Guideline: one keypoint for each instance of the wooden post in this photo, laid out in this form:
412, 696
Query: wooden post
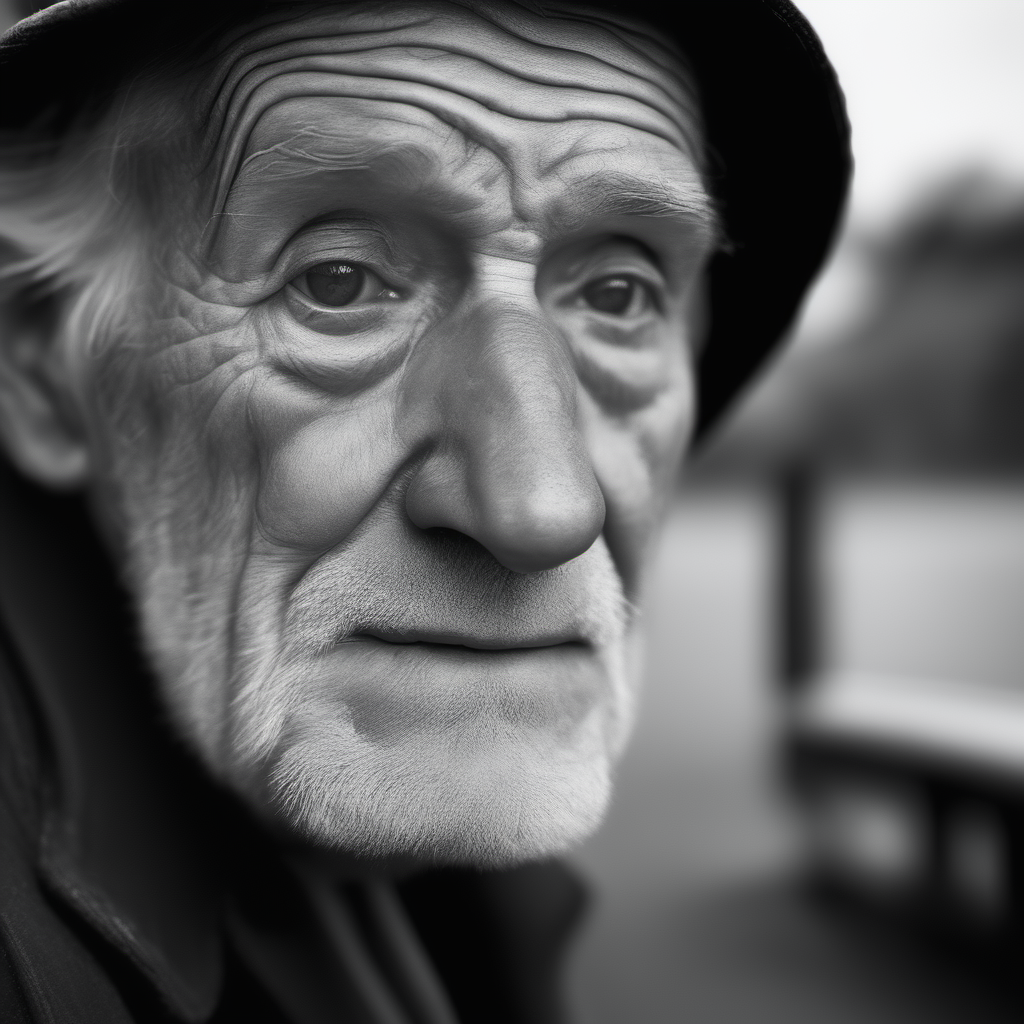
798, 600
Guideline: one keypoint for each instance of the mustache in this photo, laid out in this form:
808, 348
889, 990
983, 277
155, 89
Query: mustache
441, 585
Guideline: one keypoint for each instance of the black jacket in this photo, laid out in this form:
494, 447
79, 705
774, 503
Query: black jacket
132, 889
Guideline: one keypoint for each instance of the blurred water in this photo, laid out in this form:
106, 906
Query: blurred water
927, 579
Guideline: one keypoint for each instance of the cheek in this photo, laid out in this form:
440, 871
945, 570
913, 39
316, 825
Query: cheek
234, 439
636, 460
322, 471
176, 435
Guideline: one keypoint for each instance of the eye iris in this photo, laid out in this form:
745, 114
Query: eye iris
610, 295
335, 284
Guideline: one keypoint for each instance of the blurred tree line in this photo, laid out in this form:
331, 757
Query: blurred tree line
928, 377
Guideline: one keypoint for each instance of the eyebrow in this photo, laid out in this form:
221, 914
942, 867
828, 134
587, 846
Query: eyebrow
299, 155
302, 156
613, 194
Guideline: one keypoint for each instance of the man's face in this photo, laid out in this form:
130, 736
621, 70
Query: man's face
409, 397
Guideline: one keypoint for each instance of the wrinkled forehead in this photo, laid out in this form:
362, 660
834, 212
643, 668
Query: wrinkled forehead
477, 67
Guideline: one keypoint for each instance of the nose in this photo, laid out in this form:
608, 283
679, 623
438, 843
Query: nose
493, 396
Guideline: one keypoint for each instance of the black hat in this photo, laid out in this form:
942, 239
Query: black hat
776, 129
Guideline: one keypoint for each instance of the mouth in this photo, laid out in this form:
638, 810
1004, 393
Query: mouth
454, 641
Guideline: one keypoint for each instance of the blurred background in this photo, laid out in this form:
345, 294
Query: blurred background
821, 820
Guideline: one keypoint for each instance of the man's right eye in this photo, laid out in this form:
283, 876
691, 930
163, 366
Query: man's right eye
338, 284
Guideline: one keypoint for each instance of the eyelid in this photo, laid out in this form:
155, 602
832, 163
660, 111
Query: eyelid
352, 240
649, 281
606, 258
568, 289
339, 321
633, 265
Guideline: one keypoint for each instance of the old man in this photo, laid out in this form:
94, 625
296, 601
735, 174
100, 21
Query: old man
357, 346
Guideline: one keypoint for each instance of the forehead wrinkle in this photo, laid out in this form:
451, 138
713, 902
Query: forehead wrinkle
262, 47
418, 162
483, 91
465, 113
357, 156
366, 62
563, 22
672, 63
668, 59
247, 53
433, 30
380, 156
244, 62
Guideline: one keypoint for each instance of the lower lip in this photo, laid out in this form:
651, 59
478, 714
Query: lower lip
391, 688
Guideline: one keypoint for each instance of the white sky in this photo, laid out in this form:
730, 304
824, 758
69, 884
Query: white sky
932, 87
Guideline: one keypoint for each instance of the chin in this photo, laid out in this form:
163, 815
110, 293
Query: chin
488, 797
446, 763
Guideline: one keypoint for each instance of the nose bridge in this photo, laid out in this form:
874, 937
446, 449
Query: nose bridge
520, 383
508, 463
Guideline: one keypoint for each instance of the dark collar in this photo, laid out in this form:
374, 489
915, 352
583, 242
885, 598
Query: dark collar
128, 841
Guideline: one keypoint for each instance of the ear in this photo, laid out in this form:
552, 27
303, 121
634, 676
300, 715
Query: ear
39, 426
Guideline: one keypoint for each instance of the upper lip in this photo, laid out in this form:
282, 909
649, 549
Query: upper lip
454, 639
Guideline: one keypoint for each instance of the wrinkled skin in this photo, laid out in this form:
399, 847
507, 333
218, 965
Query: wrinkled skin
414, 387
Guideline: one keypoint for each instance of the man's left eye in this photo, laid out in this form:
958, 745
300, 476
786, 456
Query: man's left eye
619, 295
338, 284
